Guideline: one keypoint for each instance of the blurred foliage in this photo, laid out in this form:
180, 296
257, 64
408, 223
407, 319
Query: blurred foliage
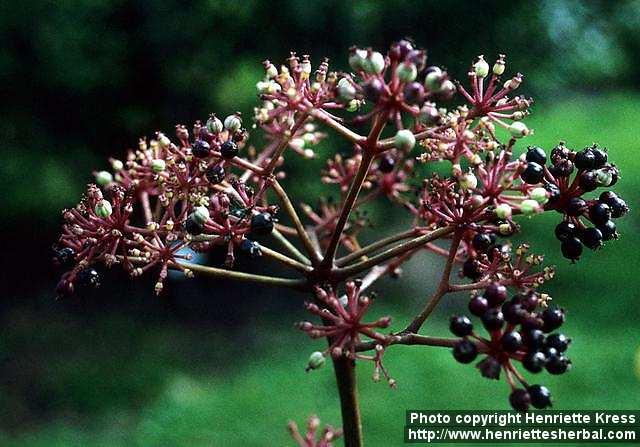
83, 80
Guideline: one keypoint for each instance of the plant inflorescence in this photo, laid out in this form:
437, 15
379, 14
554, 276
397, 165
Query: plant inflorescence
212, 187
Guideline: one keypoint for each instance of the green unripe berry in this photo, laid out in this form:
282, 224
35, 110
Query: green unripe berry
233, 123
214, 125
103, 209
374, 63
201, 214
529, 207
316, 360
404, 140
518, 129
357, 58
117, 165
603, 177
103, 178
498, 68
158, 165
503, 211
481, 68
468, 181
407, 72
539, 195
346, 90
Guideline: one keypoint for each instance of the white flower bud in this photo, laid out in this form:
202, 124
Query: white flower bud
271, 71
346, 90
518, 129
117, 165
468, 181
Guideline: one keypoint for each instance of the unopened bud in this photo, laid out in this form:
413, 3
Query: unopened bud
103, 209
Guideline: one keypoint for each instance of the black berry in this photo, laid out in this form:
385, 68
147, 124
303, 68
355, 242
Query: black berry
520, 399
64, 257
571, 248
511, 341
553, 318
576, 206
482, 241
559, 342
460, 325
200, 149
558, 364
373, 89
534, 361
532, 174
495, 293
262, 224
600, 213
493, 319
250, 247
534, 339
490, 368
465, 351
608, 230
600, 157
537, 155
565, 230
540, 396
88, 278
591, 237
618, 207
193, 227
585, 159
386, 164
215, 174
470, 269
228, 150
588, 180
513, 312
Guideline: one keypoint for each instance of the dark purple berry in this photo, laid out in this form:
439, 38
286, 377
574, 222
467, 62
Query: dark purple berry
215, 174
530, 300
511, 341
591, 237
88, 278
229, 149
600, 213
478, 305
192, 226
608, 230
534, 339
553, 318
599, 156
560, 152
618, 207
200, 149
64, 257
559, 342
465, 351
585, 159
262, 224
561, 168
540, 396
470, 269
554, 193
493, 319
490, 368
373, 89
460, 325
513, 312
386, 163
534, 361
588, 180
537, 155
576, 206
558, 364
607, 195
250, 247
571, 248
532, 174
413, 93
495, 293
482, 241
565, 230
520, 399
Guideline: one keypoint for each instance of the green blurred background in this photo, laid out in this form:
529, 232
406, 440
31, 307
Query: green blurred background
215, 363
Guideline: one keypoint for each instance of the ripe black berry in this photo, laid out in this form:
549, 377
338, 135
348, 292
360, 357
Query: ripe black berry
478, 305
64, 257
540, 396
88, 278
605, 196
558, 364
470, 269
228, 150
585, 159
534, 361
373, 89
200, 148
482, 241
600, 213
386, 164
511, 341
559, 342
413, 93
493, 319
560, 152
554, 193
591, 237
520, 399
608, 230
533, 339
215, 174
571, 248
495, 293
460, 325
565, 230
576, 206
588, 180
532, 174
262, 224
553, 318
600, 157
465, 351
513, 312
537, 155
193, 227
490, 368
561, 168
250, 247
618, 207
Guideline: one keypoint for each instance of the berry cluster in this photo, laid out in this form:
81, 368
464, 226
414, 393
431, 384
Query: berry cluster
560, 193
519, 331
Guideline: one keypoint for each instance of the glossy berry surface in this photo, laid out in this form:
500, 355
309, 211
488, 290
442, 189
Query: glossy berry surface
386, 163
559, 342
493, 319
520, 399
478, 305
193, 227
215, 174
536, 154
591, 237
460, 325
465, 351
552, 318
540, 396
534, 361
600, 213
262, 224
200, 149
565, 230
532, 174
511, 341
229, 149
88, 277
571, 248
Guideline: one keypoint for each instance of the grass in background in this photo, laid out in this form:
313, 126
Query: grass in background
121, 383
